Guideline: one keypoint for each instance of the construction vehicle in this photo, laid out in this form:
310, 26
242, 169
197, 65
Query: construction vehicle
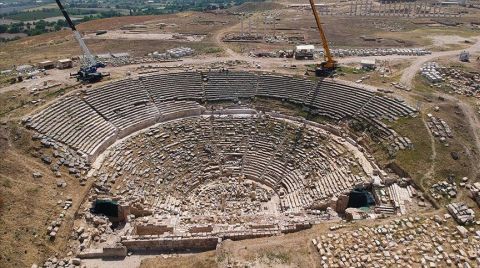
327, 67
88, 72
304, 52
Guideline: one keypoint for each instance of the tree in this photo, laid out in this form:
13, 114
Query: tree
40, 25
3, 28
14, 28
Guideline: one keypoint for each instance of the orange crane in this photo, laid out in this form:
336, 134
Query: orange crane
327, 67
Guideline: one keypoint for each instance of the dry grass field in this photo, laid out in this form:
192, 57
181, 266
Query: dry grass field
58, 45
29, 204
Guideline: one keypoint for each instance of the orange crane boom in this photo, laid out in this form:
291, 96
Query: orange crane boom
329, 63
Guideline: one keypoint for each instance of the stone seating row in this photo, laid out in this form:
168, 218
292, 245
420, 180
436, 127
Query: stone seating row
172, 86
125, 104
132, 104
115, 96
230, 85
177, 109
73, 122
284, 87
332, 99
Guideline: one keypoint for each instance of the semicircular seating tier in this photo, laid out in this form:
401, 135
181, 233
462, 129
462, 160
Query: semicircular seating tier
93, 120
73, 122
182, 159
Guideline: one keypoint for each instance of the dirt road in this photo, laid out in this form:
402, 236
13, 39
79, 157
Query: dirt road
410, 72
265, 64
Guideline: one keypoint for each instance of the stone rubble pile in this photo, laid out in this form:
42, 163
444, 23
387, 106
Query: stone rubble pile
444, 188
350, 52
116, 59
97, 231
388, 25
52, 229
57, 155
231, 197
454, 80
366, 52
121, 59
247, 37
395, 197
174, 53
439, 128
474, 191
431, 73
406, 242
461, 213
54, 262
460, 81
150, 58
380, 132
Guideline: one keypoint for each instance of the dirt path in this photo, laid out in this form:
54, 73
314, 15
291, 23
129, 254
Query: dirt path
471, 117
218, 41
431, 170
473, 121
410, 72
